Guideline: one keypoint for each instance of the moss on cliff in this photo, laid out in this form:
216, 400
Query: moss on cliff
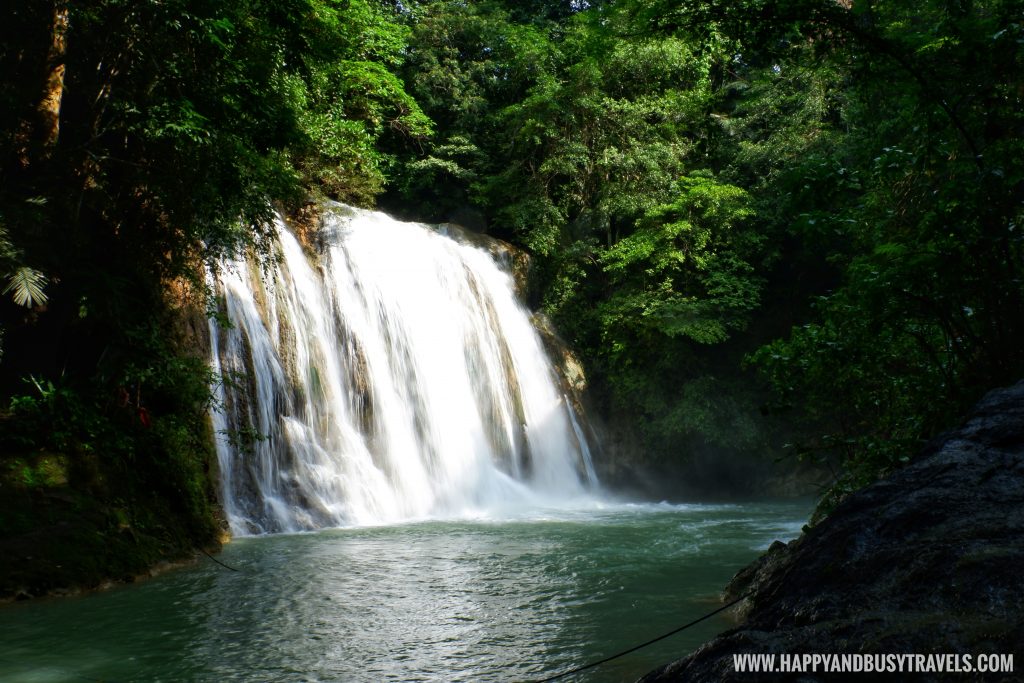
72, 521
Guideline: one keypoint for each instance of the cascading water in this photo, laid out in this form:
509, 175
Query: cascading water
392, 376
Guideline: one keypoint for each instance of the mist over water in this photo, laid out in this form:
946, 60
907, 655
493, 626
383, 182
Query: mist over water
504, 598
387, 373
385, 382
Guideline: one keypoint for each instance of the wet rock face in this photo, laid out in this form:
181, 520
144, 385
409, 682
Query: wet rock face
930, 560
513, 259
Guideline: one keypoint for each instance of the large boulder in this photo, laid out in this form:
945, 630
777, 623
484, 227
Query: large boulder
929, 560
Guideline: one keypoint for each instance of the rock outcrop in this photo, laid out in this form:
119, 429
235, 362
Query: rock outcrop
929, 560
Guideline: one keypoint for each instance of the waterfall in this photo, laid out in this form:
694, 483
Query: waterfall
387, 374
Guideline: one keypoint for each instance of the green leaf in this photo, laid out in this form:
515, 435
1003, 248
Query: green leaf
25, 285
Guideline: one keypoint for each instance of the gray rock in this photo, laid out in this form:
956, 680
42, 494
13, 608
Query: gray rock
928, 560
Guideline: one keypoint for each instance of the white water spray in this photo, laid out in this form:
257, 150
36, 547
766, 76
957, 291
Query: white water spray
394, 376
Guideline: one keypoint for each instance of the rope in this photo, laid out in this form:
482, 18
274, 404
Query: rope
218, 561
555, 677
591, 665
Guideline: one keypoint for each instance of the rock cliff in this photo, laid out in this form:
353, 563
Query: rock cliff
929, 560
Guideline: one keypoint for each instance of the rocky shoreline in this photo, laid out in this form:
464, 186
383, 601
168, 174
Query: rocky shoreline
927, 561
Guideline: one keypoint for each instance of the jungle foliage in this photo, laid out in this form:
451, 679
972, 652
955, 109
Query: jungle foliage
807, 209
139, 142
765, 225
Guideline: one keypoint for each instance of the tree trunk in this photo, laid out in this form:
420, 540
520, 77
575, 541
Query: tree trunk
49, 107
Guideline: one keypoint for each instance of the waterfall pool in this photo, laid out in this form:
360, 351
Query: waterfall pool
498, 598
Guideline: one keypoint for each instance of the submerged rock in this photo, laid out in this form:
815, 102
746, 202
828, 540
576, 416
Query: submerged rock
929, 560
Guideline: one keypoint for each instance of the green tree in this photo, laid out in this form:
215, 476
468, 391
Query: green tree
913, 199
140, 142
589, 142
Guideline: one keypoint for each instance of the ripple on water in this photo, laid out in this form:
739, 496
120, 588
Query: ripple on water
431, 601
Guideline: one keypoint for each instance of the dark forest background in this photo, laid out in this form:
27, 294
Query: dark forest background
786, 228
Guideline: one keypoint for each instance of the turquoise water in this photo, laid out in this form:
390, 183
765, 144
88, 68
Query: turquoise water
511, 599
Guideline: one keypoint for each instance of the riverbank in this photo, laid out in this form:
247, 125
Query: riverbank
925, 561
513, 596
70, 525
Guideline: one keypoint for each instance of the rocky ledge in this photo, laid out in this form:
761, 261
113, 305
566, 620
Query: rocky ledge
929, 560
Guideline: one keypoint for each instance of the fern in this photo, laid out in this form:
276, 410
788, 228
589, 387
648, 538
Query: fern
25, 285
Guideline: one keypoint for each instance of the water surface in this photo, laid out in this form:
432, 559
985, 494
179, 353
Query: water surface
512, 599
